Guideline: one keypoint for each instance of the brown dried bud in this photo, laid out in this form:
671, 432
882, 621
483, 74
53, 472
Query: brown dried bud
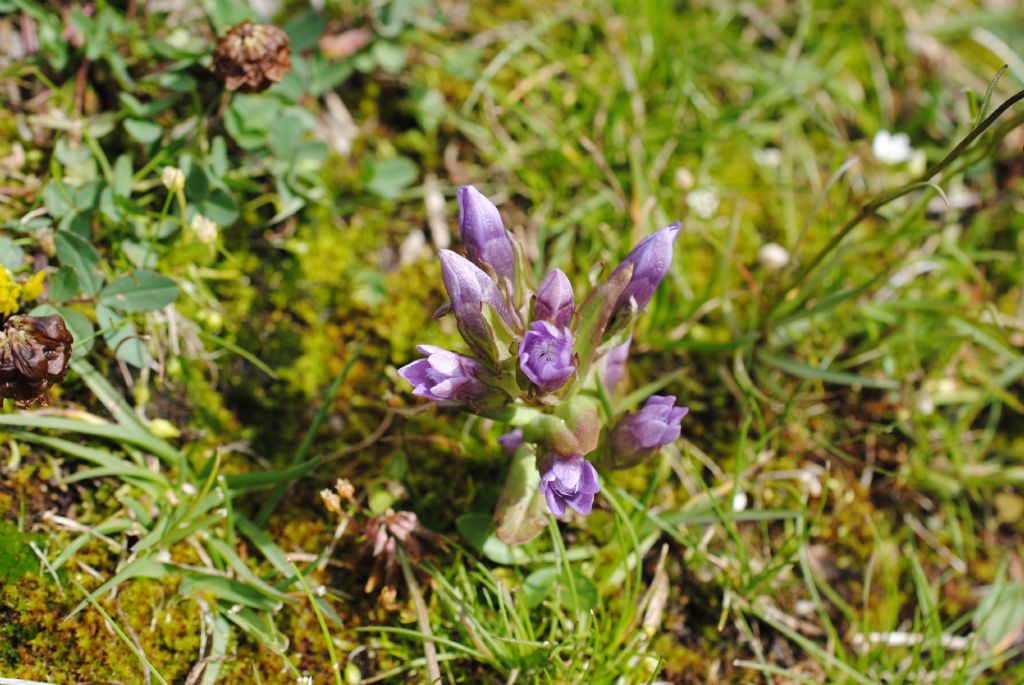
251, 57
384, 534
34, 355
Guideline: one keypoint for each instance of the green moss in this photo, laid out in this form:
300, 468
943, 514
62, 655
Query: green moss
16, 557
84, 648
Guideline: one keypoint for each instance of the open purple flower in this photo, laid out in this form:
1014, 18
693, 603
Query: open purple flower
546, 355
571, 480
555, 302
469, 289
444, 376
484, 235
650, 259
641, 433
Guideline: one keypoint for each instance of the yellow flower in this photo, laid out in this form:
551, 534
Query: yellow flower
9, 299
9, 293
33, 287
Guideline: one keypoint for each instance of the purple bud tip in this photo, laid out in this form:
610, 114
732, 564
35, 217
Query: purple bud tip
650, 259
469, 289
572, 480
511, 441
444, 376
484, 235
655, 425
555, 302
546, 356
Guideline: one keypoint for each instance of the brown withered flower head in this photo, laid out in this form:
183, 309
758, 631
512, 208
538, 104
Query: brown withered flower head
34, 355
252, 57
385, 533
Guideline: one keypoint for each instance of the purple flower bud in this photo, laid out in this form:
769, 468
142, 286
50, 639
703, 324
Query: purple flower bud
546, 355
511, 441
444, 376
651, 259
484, 235
572, 480
615, 365
641, 433
469, 289
555, 300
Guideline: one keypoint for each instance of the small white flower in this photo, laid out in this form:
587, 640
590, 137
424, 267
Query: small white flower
205, 229
891, 148
703, 202
770, 157
773, 257
684, 179
304, 680
739, 501
173, 179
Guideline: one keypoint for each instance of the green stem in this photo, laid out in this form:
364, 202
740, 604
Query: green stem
870, 208
423, 618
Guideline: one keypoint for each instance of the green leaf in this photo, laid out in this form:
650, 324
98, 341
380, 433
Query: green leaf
813, 373
285, 135
477, 529
228, 590
63, 285
78, 253
122, 337
11, 256
389, 56
219, 207
225, 13
389, 177
140, 291
123, 176
521, 513
539, 585
304, 30
143, 131
1000, 615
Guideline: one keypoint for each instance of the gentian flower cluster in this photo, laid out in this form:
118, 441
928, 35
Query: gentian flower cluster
543, 361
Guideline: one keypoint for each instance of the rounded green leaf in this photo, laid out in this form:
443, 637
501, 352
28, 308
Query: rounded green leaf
140, 291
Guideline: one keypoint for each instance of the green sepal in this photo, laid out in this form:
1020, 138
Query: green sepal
595, 313
523, 290
521, 513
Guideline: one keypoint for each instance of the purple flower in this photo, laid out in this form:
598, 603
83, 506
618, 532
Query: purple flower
650, 259
546, 355
641, 433
615, 365
555, 300
511, 441
469, 289
444, 376
572, 480
484, 234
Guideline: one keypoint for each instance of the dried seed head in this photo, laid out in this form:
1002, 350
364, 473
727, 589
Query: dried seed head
385, 533
251, 57
331, 501
345, 489
34, 355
